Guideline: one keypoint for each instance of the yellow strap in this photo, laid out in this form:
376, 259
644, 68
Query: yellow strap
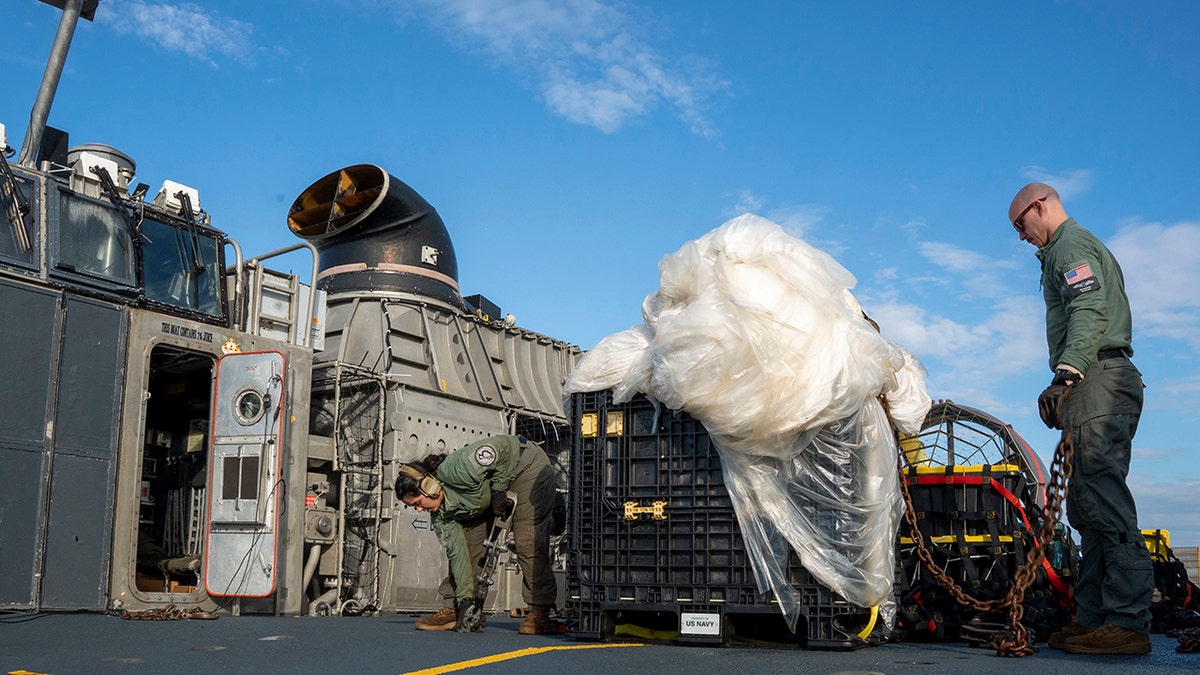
870, 624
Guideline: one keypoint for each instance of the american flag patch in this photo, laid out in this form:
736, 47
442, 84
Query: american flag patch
1081, 273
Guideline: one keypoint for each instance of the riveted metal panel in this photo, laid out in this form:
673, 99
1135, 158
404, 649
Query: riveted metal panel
28, 327
19, 502
427, 423
79, 534
90, 380
27, 322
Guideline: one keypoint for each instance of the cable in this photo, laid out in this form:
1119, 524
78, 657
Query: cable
243, 568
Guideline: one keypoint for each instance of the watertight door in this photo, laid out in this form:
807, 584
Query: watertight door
244, 482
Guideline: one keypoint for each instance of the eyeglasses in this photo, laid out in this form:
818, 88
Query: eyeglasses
1020, 227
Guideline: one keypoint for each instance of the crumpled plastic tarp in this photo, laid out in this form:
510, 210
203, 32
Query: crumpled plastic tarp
755, 333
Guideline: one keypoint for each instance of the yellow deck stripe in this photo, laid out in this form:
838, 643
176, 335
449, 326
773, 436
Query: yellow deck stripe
495, 658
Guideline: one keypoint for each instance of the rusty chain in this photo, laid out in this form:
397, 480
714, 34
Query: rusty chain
1189, 640
1015, 640
168, 613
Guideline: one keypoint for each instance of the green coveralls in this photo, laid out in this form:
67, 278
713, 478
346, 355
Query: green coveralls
1088, 327
469, 477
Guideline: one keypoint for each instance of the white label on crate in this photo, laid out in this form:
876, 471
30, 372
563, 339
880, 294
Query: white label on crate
699, 624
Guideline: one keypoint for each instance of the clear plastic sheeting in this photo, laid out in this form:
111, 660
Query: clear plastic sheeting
756, 334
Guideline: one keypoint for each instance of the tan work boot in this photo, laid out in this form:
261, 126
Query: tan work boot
536, 622
1109, 639
1073, 629
443, 620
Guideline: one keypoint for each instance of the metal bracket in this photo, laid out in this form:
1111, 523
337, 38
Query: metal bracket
656, 510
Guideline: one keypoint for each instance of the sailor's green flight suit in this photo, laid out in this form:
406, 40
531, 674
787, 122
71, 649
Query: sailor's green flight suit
469, 476
1088, 327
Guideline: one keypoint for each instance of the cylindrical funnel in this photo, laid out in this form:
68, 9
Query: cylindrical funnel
375, 233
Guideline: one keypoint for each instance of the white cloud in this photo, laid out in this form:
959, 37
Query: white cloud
1069, 184
1162, 272
957, 259
972, 273
913, 227
586, 58
745, 201
199, 32
1176, 386
1188, 385
1017, 326
921, 332
1173, 502
1003, 342
799, 220
979, 333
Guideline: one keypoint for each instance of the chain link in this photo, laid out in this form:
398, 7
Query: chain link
168, 613
1015, 640
1189, 641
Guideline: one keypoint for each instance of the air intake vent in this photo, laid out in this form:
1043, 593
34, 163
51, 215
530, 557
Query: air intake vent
374, 233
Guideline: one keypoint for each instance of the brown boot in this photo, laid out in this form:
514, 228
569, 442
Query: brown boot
1109, 639
536, 622
443, 620
1072, 630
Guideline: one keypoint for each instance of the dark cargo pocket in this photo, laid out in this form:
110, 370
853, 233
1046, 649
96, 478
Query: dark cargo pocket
1112, 387
1104, 443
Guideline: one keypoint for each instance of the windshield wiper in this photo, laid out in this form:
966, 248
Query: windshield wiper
18, 207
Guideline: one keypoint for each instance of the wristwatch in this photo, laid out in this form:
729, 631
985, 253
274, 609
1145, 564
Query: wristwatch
1064, 376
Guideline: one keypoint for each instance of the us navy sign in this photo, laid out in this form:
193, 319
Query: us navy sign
699, 624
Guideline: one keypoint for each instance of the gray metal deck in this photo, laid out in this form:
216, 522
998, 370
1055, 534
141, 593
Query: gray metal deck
95, 643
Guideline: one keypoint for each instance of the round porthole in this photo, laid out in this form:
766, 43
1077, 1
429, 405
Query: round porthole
249, 406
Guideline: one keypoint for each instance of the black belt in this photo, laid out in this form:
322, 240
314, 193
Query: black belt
1114, 353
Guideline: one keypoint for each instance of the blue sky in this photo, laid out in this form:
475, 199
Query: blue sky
570, 144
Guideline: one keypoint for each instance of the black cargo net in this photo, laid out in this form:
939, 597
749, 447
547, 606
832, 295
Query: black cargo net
976, 498
348, 404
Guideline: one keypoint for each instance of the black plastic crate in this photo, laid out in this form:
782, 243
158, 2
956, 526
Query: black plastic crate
654, 536
824, 626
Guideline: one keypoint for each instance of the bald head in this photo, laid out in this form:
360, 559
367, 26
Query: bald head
1030, 193
1036, 212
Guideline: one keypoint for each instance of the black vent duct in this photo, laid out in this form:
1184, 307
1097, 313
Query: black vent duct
375, 233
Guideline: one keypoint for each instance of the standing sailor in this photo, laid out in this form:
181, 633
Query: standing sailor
1097, 391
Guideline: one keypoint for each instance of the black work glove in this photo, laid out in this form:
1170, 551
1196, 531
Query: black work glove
468, 615
501, 505
1053, 399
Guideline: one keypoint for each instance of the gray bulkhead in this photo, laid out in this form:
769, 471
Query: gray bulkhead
408, 369
111, 300
175, 358
117, 313
57, 445
447, 378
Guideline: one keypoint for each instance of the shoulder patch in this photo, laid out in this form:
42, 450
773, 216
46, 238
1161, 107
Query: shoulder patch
485, 455
1080, 280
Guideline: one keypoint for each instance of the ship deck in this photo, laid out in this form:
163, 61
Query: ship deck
55, 643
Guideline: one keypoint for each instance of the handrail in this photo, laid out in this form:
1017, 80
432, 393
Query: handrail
312, 297
237, 286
